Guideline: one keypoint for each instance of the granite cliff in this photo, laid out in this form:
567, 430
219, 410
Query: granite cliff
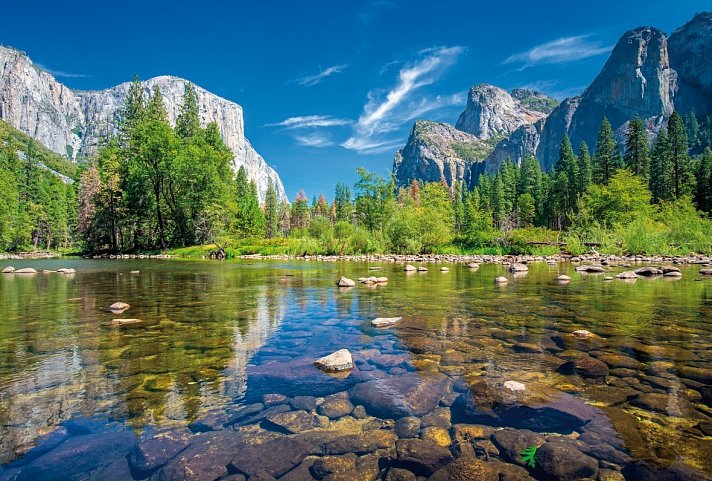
72, 122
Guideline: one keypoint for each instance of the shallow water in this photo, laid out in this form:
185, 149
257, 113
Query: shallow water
216, 336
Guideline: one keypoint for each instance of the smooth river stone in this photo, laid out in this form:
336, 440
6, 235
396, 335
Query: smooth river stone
385, 321
398, 396
338, 361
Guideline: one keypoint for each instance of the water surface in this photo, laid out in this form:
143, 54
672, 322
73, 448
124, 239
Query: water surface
216, 336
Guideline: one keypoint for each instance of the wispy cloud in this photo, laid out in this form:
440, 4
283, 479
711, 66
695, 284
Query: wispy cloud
561, 50
314, 140
306, 121
61, 73
386, 111
309, 80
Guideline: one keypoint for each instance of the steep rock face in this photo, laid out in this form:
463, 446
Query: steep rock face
491, 112
436, 151
690, 48
32, 101
522, 142
71, 123
100, 107
636, 79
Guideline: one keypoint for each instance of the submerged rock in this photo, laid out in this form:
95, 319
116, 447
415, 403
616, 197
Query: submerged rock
398, 396
338, 361
154, 452
511, 442
466, 468
563, 462
293, 421
585, 366
79, 455
336, 406
421, 457
124, 322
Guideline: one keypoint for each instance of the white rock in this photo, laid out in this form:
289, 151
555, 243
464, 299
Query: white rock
514, 386
345, 282
66, 270
627, 275
582, 333
26, 270
122, 322
385, 321
119, 307
518, 268
473, 265
501, 280
381, 280
444, 269
563, 278
409, 268
422, 269
8, 270
340, 360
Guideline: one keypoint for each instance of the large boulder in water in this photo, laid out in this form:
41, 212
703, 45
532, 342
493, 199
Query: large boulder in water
398, 396
78, 455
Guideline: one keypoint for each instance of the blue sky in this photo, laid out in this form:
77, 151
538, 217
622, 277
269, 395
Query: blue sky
331, 85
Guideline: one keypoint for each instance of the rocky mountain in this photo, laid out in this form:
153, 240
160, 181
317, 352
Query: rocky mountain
646, 74
690, 50
436, 151
72, 122
494, 113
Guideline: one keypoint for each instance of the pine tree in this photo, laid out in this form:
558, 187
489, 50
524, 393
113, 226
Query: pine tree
249, 219
636, 156
682, 174
703, 196
156, 108
343, 202
299, 215
568, 165
585, 168
133, 110
188, 121
271, 211
692, 127
661, 184
607, 157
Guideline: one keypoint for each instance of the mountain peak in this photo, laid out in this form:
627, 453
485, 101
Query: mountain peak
493, 113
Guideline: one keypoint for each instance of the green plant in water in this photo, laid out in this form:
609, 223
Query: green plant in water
528, 455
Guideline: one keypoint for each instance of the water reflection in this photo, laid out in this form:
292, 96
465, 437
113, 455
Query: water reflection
216, 334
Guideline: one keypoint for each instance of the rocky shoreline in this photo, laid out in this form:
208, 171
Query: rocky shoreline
596, 259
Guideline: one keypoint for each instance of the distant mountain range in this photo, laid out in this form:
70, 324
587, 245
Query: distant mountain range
71, 123
647, 73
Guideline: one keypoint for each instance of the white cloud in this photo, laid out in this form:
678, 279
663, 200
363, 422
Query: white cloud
309, 80
61, 73
386, 113
305, 121
314, 140
561, 50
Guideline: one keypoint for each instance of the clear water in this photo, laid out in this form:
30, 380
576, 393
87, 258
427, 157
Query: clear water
211, 331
